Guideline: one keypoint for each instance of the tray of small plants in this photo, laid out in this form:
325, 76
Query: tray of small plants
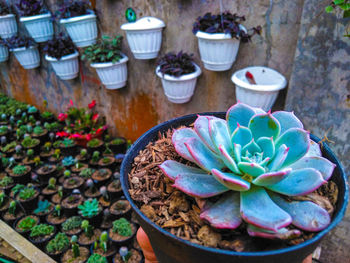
59, 184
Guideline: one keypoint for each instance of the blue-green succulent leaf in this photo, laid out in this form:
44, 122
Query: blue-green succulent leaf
264, 125
287, 120
199, 185
172, 168
231, 181
241, 135
267, 146
225, 213
180, 136
237, 152
201, 126
258, 209
282, 233
314, 149
219, 134
272, 177
279, 158
228, 160
299, 182
252, 147
298, 141
306, 215
253, 169
239, 114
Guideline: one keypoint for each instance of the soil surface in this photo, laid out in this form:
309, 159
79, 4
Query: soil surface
84, 240
117, 237
135, 257
68, 256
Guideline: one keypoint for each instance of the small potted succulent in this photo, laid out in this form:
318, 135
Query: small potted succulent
44, 173
102, 176
44, 208
122, 232
39, 133
107, 162
118, 145
103, 247
30, 143
72, 183
4, 202
89, 235
41, 234
13, 213
57, 246
95, 145
56, 217
28, 197
78, 167
91, 210
72, 226
79, 20
70, 204
86, 173
36, 19
21, 173
4, 52
114, 188
108, 60
63, 56
128, 256
179, 76
8, 24
97, 258
144, 35
25, 50
120, 208
68, 147
51, 188
219, 37
6, 183
82, 156
91, 191
25, 224
76, 254
57, 197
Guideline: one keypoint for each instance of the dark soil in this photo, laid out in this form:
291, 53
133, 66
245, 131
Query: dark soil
120, 208
55, 220
72, 201
90, 194
84, 240
68, 256
111, 250
136, 257
73, 182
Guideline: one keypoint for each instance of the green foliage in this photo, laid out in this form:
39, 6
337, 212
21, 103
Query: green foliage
52, 183
83, 152
97, 258
3, 129
123, 227
47, 147
106, 160
72, 223
28, 142
9, 147
344, 5
58, 244
20, 169
27, 193
17, 188
67, 142
2, 198
86, 173
93, 143
117, 141
90, 208
57, 154
95, 156
46, 115
105, 50
41, 230
27, 223
43, 207
103, 241
87, 228
12, 208
75, 246
68, 161
38, 130
6, 181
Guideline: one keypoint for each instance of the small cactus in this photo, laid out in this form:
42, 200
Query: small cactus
75, 246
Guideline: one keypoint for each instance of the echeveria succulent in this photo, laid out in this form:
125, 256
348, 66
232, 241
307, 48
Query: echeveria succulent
252, 161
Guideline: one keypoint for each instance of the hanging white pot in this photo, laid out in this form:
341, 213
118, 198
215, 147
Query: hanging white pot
218, 51
67, 67
264, 93
144, 37
8, 26
39, 27
81, 29
112, 75
179, 89
4, 53
29, 57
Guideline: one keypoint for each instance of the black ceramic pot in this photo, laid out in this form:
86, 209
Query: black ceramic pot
171, 249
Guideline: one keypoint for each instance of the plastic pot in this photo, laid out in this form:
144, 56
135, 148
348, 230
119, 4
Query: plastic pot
39, 27
8, 26
171, 249
29, 58
4, 53
264, 93
81, 29
67, 67
179, 89
112, 75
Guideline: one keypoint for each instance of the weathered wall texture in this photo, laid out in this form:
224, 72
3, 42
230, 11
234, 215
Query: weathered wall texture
319, 93
142, 104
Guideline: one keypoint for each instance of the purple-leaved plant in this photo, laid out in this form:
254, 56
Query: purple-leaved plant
59, 46
73, 8
30, 7
19, 41
4, 9
176, 64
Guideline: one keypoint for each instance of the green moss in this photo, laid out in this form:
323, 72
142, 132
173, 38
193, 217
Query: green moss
20, 169
27, 223
123, 227
41, 230
72, 223
58, 244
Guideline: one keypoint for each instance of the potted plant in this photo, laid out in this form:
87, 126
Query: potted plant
72, 226
80, 22
258, 86
82, 156
118, 145
91, 190
57, 197
21, 173
57, 246
25, 224
219, 37
242, 197
127, 256
13, 213
91, 210
107, 162
41, 234
122, 232
95, 145
72, 183
8, 24
144, 36
44, 173
31, 144
97, 258
36, 19
57, 217
120, 208
25, 50
101, 176
103, 247
68, 147
114, 188
105, 199
86, 173
70, 204
4, 52
106, 57
76, 254
39, 133
179, 75
28, 197
63, 56
6, 183
89, 235
43, 209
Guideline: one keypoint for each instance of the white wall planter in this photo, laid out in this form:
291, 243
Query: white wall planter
264, 94
144, 37
8, 26
81, 29
67, 67
112, 75
39, 27
179, 89
218, 51
29, 57
4, 53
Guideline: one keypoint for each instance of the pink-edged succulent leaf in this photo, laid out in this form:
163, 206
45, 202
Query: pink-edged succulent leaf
299, 182
324, 166
202, 156
267, 146
287, 120
314, 149
225, 213
297, 140
264, 162
241, 135
201, 126
283, 233
219, 134
180, 136
199, 185
264, 125
239, 113
306, 215
231, 181
253, 169
252, 147
258, 209
279, 158
228, 160
172, 168
272, 177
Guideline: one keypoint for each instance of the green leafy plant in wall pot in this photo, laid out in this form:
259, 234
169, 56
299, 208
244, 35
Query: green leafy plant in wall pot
8, 24
248, 174
108, 60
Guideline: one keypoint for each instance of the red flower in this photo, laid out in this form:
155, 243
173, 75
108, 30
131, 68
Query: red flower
75, 135
88, 137
95, 117
92, 104
62, 134
99, 130
62, 116
71, 103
